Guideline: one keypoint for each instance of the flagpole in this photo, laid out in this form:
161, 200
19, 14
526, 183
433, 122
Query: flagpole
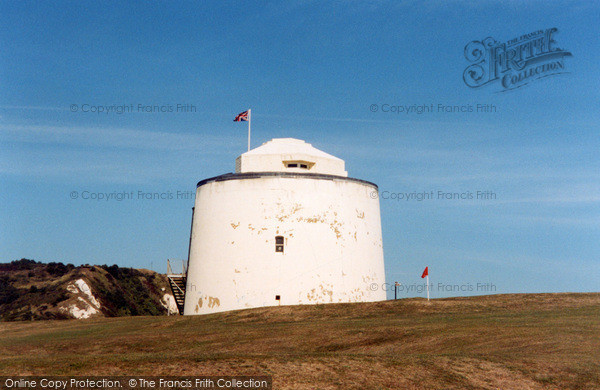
427, 286
249, 122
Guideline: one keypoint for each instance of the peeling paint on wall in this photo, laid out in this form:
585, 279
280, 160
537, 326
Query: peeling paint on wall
332, 242
212, 302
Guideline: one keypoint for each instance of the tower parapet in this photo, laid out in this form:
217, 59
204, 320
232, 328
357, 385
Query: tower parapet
289, 155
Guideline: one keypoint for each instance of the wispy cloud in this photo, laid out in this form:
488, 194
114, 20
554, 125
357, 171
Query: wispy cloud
108, 154
111, 137
31, 108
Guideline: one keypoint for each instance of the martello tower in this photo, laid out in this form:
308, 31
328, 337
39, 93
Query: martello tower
288, 227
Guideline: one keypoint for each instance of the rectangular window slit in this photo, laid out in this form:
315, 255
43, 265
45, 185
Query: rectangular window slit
279, 244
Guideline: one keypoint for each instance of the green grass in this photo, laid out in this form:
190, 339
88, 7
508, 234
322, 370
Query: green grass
504, 341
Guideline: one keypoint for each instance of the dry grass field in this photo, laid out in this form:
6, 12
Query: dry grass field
520, 341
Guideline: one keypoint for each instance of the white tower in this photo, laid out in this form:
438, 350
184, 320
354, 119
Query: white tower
289, 227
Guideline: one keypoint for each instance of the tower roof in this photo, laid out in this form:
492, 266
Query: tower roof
289, 155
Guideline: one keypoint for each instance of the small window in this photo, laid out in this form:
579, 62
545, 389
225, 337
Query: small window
279, 244
298, 164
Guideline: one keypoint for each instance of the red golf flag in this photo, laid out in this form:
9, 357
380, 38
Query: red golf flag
425, 272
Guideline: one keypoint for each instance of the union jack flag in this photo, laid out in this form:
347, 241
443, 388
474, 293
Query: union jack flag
241, 117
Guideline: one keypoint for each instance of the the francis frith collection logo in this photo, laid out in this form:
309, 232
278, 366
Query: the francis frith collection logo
516, 62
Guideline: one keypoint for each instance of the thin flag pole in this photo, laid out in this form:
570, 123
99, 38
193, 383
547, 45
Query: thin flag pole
249, 124
428, 286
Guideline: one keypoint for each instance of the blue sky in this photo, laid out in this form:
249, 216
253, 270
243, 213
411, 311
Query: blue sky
309, 70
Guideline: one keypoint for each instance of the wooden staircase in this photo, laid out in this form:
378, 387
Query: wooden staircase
177, 283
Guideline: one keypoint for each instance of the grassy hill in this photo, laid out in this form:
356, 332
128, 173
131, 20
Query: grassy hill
520, 341
31, 290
